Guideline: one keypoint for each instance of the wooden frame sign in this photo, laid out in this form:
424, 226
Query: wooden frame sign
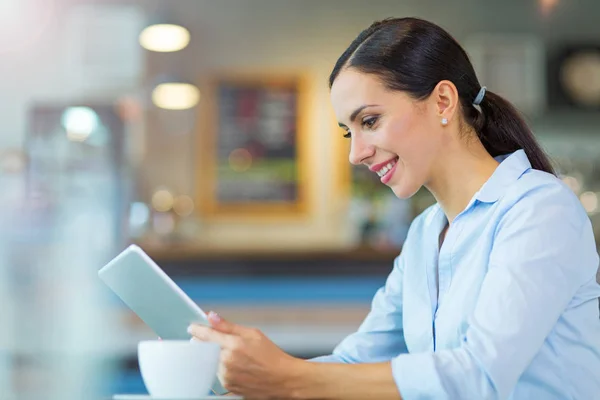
252, 146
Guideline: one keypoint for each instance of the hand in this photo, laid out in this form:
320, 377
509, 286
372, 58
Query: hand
251, 365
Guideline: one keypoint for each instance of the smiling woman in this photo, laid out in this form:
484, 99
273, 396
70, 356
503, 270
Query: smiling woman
494, 295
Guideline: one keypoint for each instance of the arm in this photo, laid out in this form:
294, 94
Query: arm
543, 253
344, 381
380, 337
254, 366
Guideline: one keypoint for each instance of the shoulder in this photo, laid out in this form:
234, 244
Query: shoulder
542, 195
541, 218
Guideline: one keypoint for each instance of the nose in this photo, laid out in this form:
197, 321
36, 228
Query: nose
359, 150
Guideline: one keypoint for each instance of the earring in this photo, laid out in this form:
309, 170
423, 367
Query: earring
444, 121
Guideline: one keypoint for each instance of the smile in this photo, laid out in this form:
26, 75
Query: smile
386, 168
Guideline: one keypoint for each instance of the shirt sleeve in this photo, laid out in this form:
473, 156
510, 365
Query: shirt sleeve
380, 337
542, 253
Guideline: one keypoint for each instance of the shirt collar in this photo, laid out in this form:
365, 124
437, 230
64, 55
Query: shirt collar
511, 167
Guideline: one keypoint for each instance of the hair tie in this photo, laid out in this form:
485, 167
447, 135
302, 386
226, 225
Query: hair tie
479, 96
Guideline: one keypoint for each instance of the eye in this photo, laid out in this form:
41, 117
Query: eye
369, 122
347, 135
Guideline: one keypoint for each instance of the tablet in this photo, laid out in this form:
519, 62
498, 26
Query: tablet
149, 292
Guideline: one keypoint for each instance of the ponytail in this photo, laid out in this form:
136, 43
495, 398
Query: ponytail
502, 130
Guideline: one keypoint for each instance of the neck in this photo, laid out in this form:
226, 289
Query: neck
460, 172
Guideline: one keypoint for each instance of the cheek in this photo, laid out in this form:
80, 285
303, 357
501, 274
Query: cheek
406, 139
413, 143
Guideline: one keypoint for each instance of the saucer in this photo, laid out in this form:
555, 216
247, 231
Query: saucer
148, 397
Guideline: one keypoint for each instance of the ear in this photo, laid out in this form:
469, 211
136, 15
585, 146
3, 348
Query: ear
445, 97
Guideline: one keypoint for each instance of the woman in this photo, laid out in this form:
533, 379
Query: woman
494, 295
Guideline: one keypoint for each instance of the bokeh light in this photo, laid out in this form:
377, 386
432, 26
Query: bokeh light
240, 160
164, 38
572, 183
79, 122
162, 200
589, 200
175, 96
183, 205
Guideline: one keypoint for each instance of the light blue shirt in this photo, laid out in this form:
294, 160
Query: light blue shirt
516, 315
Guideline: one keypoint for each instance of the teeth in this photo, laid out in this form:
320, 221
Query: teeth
386, 168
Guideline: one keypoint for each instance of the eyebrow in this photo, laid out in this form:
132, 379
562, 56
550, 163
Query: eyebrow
355, 113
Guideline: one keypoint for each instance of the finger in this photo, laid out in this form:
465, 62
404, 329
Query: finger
222, 325
207, 334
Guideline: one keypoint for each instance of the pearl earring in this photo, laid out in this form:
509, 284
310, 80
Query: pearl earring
444, 121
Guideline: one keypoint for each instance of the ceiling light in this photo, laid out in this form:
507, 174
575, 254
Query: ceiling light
164, 38
175, 96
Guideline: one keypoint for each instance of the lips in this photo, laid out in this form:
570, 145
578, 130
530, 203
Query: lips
386, 169
378, 167
387, 176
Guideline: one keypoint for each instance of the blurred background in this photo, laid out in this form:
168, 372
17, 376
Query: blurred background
202, 131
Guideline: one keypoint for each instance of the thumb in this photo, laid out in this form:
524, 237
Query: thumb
221, 325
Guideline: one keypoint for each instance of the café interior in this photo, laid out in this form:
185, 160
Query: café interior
202, 131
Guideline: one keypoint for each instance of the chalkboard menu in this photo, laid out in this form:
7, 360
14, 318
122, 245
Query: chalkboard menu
256, 160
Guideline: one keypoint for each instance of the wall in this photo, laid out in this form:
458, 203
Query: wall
306, 35
310, 35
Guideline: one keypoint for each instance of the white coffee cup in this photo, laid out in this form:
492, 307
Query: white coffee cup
178, 368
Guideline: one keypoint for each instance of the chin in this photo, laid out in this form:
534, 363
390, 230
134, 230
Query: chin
403, 191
